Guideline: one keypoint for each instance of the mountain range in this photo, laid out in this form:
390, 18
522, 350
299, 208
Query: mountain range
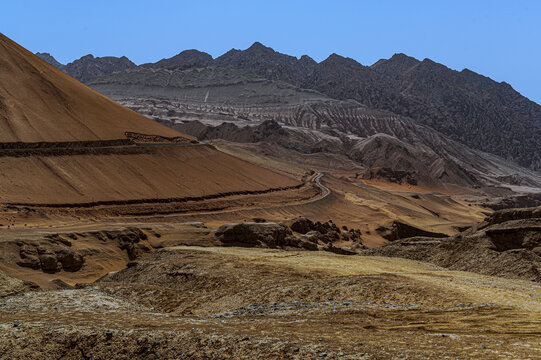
419, 105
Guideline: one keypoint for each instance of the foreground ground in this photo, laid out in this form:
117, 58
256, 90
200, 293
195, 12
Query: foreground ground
154, 285
187, 302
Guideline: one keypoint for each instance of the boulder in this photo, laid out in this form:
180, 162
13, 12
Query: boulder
29, 257
49, 263
302, 225
400, 230
70, 260
254, 234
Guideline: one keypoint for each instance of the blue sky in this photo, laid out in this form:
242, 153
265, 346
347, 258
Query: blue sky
499, 39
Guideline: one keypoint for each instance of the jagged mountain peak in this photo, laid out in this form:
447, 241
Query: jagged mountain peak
339, 59
257, 46
468, 107
307, 60
396, 64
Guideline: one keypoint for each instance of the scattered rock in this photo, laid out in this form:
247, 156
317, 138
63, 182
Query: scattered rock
314, 236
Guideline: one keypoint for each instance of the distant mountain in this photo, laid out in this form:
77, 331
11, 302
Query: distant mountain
465, 106
266, 62
89, 67
51, 60
184, 60
239, 106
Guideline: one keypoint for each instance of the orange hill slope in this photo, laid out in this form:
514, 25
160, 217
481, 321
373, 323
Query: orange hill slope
161, 173
40, 103
63, 143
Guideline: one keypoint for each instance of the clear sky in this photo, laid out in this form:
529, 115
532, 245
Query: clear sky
499, 39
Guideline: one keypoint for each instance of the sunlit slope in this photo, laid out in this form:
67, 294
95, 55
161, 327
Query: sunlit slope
40, 103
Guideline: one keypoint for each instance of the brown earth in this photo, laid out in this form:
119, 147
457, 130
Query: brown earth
162, 172
223, 303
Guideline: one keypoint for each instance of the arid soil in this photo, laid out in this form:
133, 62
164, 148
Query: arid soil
222, 303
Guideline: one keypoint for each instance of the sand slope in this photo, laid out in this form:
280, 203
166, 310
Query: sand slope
162, 172
40, 103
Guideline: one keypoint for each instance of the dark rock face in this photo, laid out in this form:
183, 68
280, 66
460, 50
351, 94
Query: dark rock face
264, 61
302, 225
129, 239
268, 130
318, 236
465, 106
49, 256
49, 263
502, 216
89, 67
519, 201
70, 260
400, 230
390, 175
54, 252
254, 234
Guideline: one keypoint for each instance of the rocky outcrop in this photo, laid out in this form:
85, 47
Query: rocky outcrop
506, 215
55, 252
313, 236
254, 234
507, 243
89, 67
390, 175
517, 201
302, 225
268, 130
131, 239
49, 256
400, 230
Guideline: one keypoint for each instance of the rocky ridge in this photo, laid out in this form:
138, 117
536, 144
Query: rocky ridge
506, 244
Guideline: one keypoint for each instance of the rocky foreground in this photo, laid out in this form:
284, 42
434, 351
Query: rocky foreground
219, 303
276, 290
507, 243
